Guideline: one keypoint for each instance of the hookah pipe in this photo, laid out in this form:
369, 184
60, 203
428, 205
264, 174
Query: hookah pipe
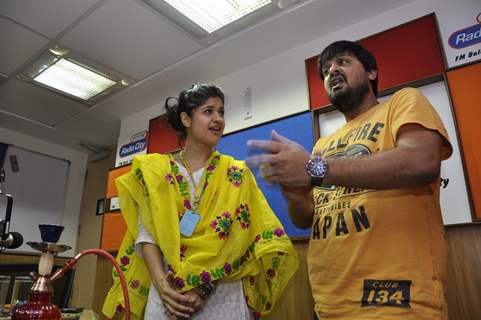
39, 306
69, 264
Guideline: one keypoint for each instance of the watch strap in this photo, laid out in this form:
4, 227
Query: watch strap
316, 181
205, 289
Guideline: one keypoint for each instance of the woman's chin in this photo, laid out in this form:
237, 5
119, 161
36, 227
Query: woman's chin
214, 143
215, 138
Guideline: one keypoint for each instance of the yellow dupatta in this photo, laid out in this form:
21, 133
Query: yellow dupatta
238, 236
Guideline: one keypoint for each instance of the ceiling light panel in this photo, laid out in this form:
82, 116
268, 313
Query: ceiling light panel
214, 14
73, 75
71, 78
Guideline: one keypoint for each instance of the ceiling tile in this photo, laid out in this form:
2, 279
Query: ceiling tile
18, 44
36, 103
98, 133
130, 37
48, 17
3, 79
102, 130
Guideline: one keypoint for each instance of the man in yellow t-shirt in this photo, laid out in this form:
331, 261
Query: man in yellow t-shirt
370, 193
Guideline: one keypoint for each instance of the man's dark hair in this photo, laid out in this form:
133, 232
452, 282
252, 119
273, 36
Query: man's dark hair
343, 46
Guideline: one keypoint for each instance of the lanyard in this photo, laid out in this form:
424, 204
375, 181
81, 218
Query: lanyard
199, 188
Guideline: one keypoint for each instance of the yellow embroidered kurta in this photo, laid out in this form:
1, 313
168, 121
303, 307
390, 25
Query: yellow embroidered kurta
238, 236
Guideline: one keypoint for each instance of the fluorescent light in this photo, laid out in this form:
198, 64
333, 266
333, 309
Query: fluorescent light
212, 15
69, 77
58, 51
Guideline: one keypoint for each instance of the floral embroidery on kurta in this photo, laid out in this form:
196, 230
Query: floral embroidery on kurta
222, 225
243, 216
235, 175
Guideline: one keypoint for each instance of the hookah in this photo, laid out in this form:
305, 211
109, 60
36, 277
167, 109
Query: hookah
39, 305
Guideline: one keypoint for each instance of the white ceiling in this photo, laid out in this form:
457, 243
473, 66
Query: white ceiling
130, 37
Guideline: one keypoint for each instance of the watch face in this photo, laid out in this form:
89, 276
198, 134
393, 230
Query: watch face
317, 167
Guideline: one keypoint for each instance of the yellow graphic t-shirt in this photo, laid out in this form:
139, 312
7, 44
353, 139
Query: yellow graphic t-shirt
379, 254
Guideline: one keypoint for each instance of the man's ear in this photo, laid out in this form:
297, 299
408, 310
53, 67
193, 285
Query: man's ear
186, 120
372, 74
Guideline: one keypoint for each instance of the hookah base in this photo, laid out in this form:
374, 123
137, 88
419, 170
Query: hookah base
38, 308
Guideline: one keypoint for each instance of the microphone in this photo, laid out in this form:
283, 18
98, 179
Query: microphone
11, 240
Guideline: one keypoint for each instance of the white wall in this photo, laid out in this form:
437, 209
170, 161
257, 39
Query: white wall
75, 181
453, 190
279, 85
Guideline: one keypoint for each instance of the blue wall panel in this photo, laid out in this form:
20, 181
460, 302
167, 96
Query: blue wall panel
297, 128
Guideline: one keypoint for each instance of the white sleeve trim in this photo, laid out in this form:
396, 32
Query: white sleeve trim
143, 236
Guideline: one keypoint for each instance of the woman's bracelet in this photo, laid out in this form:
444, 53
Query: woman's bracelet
205, 289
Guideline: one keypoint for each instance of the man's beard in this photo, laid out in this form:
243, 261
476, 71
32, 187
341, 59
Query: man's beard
349, 98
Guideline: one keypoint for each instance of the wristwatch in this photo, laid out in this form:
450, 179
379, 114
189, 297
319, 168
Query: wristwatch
317, 168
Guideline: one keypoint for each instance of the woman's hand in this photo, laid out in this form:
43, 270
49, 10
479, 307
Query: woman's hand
198, 303
177, 305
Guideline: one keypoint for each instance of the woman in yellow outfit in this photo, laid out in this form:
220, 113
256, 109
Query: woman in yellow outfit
202, 241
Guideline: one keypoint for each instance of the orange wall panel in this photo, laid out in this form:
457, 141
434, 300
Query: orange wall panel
162, 138
113, 231
114, 174
317, 95
465, 88
407, 53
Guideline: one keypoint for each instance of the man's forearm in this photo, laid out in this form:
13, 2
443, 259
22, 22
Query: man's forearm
415, 161
300, 205
386, 170
301, 214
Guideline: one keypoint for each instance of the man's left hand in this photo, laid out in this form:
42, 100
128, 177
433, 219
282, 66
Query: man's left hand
285, 162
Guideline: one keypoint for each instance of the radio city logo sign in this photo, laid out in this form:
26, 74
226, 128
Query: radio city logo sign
466, 37
133, 147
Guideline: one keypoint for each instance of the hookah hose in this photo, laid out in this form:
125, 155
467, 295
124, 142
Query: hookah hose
107, 255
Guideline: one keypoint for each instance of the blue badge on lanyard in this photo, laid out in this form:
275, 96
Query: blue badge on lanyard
189, 221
